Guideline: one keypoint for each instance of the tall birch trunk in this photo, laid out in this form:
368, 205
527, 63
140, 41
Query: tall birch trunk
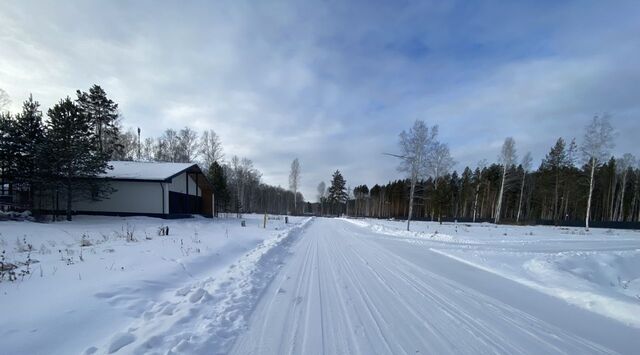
593, 171
520, 201
499, 207
413, 189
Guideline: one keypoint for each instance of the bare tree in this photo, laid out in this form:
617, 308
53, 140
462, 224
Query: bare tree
167, 146
624, 163
4, 100
210, 148
148, 149
596, 147
416, 145
507, 158
439, 163
187, 145
127, 145
526, 166
243, 176
322, 188
294, 181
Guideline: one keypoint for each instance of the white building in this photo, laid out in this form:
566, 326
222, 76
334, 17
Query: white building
166, 190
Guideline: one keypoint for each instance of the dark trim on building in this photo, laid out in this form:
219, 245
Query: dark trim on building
129, 214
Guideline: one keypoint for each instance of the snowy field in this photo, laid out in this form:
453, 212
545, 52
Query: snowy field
101, 285
598, 270
94, 280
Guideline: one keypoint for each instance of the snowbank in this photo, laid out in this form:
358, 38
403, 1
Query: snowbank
95, 275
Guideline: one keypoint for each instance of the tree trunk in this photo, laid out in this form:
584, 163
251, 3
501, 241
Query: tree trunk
593, 171
295, 203
69, 197
499, 208
521, 193
621, 208
475, 203
555, 197
413, 190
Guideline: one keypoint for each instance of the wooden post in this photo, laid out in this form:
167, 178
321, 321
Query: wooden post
264, 225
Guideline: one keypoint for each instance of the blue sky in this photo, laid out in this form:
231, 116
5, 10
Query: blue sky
334, 82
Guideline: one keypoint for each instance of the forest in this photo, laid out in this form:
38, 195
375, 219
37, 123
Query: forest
570, 180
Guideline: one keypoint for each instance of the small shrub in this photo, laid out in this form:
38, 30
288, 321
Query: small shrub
127, 233
85, 241
7, 269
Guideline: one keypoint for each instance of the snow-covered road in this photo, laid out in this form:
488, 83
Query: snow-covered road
347, 290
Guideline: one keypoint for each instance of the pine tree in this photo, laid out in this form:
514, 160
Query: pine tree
219, 181
7, 153
103, 115
337, 193
29, 141
555, 161
74, 157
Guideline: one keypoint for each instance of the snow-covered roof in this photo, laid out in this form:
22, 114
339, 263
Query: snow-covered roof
135, 170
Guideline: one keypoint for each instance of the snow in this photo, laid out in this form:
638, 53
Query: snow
597, 270
144, 170
349, 290
69, 305
101, 285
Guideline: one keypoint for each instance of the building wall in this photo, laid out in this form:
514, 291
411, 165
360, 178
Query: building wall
178, 184
129, 197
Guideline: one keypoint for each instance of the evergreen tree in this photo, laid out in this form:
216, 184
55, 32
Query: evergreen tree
103, 116
7, 153
555, 161
219, 181
29, 147
73, 155
337, 193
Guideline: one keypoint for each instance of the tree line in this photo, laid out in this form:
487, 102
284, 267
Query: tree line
61, 153
575, 181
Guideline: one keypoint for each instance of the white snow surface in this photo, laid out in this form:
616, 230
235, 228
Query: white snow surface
597, 270
137, 295
144, 170
318, 286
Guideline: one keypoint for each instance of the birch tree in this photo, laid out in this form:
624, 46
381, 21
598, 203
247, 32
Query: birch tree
210, 148
415, 146
506, 159
294, 181
596, 147
439, 163
187, 145
4, 100
322, 188
526, 166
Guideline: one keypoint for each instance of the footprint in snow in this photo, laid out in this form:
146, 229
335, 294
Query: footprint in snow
119, 341
183, 291
198, 294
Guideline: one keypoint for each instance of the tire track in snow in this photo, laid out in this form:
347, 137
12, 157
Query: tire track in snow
360, 297
510, 314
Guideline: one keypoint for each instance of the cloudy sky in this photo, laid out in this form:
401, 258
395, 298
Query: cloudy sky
334, 82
